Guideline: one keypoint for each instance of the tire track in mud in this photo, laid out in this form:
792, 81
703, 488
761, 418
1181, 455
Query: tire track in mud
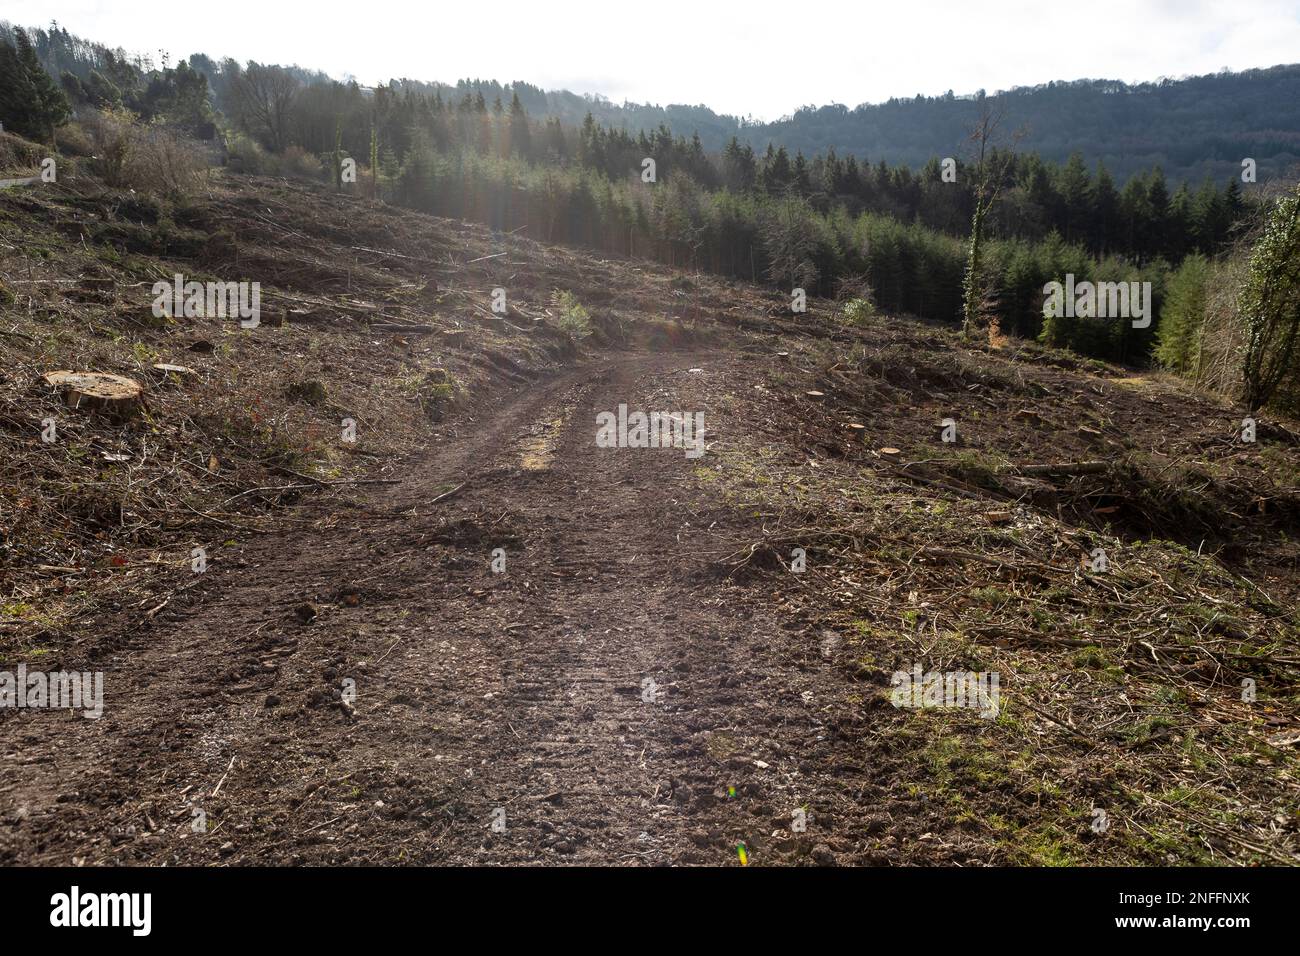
603, 695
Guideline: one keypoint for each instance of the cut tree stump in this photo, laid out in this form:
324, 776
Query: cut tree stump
97, 391
815, 396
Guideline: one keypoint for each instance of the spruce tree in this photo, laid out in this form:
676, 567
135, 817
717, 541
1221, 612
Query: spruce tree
1182, 314
520, 138
31, 103
1105, 210
1074, 189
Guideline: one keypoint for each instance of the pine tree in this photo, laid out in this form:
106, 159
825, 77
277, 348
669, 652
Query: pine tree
1105, 211
1074, 189
520, 137
1157, 212
1182, 314
31, 103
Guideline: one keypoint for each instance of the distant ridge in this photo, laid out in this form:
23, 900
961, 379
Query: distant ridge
1192, 127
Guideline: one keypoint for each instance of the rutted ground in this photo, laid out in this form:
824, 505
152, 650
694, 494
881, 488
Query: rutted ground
525, 690
646, 682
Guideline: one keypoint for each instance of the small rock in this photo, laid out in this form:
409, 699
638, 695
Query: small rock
822, 855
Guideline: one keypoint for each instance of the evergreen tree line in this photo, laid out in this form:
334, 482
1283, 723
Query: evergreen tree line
87, 74
808, 222
811, 222
1144, 220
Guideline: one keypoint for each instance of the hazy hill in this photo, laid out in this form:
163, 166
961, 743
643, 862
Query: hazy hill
1193, 127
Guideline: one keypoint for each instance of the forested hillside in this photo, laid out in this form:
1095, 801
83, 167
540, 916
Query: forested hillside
826, 221
1191, 127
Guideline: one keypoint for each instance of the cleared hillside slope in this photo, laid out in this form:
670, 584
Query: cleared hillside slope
647, 681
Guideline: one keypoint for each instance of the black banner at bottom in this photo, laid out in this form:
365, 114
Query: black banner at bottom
302, 905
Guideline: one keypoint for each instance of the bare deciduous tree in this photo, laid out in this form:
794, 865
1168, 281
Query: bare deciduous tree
790, 240
990, 168
263, 100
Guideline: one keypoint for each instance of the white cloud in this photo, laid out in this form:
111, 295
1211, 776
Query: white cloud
759, 57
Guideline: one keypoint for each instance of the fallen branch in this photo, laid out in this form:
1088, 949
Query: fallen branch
396, 327
449, 494
394, 255
1064, 468
224, 776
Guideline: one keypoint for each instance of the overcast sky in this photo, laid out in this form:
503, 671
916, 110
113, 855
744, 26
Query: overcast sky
745, 57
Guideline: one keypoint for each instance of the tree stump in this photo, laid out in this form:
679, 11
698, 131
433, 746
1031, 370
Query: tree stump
115, 395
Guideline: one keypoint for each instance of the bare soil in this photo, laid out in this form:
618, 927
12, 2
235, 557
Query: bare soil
647, 681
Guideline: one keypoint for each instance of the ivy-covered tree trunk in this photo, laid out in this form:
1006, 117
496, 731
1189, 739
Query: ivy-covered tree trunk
971, 292
374, 164
1270, 304
338, 156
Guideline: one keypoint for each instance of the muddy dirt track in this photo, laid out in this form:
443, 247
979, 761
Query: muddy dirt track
608, 699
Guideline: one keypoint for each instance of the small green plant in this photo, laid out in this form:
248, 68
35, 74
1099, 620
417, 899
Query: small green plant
859, 311
992, 596
1092, 657
573, 317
